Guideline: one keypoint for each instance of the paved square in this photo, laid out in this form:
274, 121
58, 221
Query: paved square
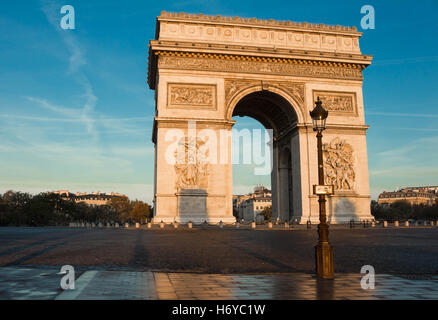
213, 263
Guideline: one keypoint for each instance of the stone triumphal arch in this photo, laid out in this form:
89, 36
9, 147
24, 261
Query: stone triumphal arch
207, 69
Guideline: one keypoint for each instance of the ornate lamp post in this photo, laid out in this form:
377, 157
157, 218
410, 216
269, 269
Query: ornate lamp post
323, 250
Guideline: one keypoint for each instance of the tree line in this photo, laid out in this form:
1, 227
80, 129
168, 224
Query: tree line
46, 208
403, 210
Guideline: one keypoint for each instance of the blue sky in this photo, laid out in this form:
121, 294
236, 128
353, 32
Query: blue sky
76, 112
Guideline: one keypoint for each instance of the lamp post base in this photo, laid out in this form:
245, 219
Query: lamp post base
324, 260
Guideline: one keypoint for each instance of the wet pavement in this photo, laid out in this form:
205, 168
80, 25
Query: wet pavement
44, 284
212, 263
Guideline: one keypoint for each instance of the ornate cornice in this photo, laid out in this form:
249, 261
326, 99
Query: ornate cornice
180, 60
259, 59
256, 22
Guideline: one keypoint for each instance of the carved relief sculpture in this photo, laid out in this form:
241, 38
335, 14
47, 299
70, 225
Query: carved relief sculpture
191, 165
339, 164
191, 95
337, 102
296, 90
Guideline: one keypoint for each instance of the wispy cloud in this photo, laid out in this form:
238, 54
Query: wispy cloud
413, 129
68, 112
418, 153
76, 61
405, 60
398, 114
77, 58
108, 121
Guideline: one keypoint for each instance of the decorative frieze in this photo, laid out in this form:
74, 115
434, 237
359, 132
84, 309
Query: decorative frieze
299, 69
191, 96
342, 103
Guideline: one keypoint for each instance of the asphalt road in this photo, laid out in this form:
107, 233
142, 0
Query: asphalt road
213, 250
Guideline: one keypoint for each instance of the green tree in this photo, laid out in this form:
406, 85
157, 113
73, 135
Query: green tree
13, 208
140, 211
45, 209
267, 213
122, 206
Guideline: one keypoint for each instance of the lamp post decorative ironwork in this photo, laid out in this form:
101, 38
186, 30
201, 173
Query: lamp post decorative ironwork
323, 250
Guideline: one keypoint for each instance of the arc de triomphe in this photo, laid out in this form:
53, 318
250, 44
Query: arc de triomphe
207, 69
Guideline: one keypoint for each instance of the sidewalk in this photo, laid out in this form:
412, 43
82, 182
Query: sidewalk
44, 283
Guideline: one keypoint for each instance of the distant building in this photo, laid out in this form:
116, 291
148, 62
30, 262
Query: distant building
429, 189
94, 198
413, 195
250, 206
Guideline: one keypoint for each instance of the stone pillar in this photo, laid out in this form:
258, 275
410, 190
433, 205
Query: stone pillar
275, 182
284, 193
205, 186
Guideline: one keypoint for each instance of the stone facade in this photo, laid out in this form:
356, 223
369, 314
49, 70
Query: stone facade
208, 69
427, 196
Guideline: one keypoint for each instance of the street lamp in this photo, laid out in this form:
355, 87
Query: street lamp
323, 250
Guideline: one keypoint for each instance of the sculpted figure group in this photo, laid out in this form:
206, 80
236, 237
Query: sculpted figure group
339, 164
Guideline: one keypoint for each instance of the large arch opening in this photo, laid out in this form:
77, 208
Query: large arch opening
276, 115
